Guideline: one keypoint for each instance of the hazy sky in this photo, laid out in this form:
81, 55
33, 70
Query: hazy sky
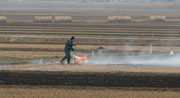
122, 7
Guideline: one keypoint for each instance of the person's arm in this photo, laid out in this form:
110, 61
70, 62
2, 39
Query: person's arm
71, 45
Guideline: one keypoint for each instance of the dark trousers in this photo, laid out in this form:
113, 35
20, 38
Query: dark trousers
68, 60
67, 56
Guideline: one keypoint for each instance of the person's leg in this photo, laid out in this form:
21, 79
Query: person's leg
65, 51
63, 60
68, 60
68, 56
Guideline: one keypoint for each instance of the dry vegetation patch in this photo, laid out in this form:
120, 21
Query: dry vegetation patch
29, 54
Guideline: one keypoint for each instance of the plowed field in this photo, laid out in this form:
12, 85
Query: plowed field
26, 40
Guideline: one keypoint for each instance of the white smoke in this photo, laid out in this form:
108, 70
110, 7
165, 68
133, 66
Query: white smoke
151, 60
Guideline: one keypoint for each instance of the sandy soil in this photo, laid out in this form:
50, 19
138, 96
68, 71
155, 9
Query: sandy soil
93, 68
85, 92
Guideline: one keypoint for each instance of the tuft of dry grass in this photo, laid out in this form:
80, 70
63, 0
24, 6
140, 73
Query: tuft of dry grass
119, 18
43, 19
63, 19
158, 18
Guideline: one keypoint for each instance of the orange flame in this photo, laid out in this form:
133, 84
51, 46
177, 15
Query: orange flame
80, 58
47, 62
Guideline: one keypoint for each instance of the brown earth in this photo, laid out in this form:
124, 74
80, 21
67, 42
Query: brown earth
93, 68
89, 47
85, 92
29, 54
19, 91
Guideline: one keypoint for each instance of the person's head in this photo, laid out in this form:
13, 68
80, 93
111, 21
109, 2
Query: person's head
72, 38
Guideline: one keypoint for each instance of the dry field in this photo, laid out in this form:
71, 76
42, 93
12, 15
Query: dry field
27, 52
27, 40
26, 84
85, 92
46, 38
92, 68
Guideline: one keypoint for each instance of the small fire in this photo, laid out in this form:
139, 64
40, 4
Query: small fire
82, 59
47, 62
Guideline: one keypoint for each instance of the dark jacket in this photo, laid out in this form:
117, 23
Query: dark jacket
68, 48
69, 45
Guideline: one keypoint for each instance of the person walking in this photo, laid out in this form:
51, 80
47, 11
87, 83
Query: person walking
68, 47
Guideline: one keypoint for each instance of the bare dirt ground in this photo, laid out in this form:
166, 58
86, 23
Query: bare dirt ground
85, 92
18, 91
29, 54
92, 68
